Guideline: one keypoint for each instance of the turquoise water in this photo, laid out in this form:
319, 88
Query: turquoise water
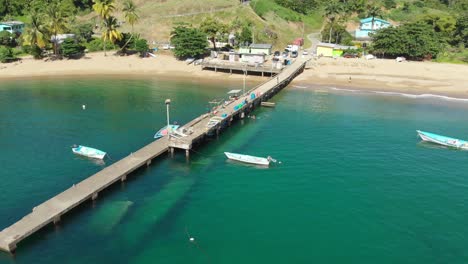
354, 185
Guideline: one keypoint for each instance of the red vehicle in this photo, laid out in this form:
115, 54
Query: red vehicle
298, 42
349, 55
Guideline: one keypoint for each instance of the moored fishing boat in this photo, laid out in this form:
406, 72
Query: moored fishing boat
164, 131
443, 140
248, 159
88, 152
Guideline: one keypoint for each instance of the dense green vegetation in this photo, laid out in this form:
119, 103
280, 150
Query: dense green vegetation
188, 41
278, 22
47, 19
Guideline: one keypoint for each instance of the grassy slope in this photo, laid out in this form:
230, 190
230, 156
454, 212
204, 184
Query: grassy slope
156, 22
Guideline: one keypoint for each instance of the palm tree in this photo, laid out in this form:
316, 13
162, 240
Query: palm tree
131, 16
104, 8
57, 23
373, 11
35, 34
332, 11
130, 12
110, 31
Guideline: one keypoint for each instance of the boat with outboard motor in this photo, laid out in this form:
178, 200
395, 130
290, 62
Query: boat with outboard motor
88, 152
249, 159
443, 140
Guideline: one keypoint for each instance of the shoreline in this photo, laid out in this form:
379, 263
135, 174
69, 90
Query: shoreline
95, 65
386, 76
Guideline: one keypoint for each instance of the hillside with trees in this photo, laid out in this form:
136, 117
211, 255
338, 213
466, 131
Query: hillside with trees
434, 29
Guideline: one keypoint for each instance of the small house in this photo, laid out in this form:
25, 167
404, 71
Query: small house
332, 50
59, 38
14, 27
260, 49
370, 25
252, 59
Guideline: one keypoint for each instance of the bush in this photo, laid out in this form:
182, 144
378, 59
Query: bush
70, 48
7, 39
6, 54
98, 45
141, 45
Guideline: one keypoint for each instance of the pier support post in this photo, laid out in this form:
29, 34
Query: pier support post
242, 115
94, 196
124, 178
172, 151
12, 249
148, 163
187, 153
56, 220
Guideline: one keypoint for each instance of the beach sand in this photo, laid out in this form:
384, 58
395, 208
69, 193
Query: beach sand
388, 76
377, 75
96, 64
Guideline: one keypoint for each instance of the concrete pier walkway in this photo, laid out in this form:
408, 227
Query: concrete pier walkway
51, 210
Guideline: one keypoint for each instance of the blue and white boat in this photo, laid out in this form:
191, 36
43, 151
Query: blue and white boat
443, 140
88, 152
164, 131
249, 159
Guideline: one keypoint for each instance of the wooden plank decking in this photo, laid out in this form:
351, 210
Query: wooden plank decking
51, 210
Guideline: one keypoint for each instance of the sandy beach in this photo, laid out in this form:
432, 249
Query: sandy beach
388, 76
96, 64
378, 75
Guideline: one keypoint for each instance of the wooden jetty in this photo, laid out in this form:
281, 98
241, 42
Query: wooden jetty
221, 65
190, 134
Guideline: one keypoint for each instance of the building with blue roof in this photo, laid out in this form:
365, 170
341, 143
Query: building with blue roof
370, 25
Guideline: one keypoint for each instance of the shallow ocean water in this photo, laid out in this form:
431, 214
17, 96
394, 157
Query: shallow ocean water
355, 184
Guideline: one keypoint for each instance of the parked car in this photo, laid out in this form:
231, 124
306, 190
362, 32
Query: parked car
277, 54
285, 54
305, 52
350, 55
294, 54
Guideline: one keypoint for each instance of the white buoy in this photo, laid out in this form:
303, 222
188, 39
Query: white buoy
192, 239
83, 106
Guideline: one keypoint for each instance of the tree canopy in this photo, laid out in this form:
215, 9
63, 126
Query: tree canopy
412, 40
188, 41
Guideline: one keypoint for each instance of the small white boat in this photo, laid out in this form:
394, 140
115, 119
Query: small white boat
248, 159
88, 152
443, 140
164, 131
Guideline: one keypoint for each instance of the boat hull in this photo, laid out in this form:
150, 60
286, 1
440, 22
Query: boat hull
89, 152
163, 131
443, 140
247, 159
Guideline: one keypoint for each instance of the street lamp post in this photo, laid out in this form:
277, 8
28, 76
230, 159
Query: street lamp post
168, 102
245, 73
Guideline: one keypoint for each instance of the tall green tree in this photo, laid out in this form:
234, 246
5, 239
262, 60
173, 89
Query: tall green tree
212, 28
461, 30
110, 33
130, 12
188, 42
104, 8
373, 11
56, 23
413, 40
333, 10
35, 34
131, 16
